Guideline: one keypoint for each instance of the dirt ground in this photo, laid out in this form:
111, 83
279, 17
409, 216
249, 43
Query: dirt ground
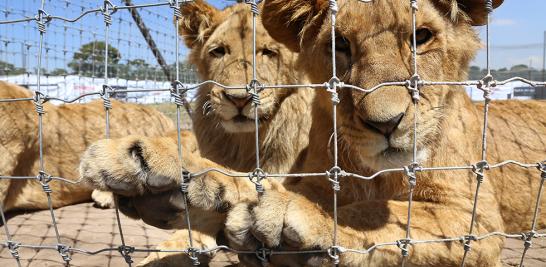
89, 228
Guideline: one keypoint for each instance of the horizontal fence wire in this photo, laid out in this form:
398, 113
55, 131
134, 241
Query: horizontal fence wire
335, 173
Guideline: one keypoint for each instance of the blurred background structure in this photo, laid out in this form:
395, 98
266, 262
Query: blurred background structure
73, 59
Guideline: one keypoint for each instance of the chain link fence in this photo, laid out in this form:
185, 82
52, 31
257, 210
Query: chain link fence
178, 92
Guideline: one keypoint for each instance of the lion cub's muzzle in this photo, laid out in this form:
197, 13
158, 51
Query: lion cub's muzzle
383, 110
240, 101
384, 127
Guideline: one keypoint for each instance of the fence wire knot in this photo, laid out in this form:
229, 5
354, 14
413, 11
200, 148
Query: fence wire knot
485, 84
105, 95
333, 174
413, 5
528, 237
174, 5
107, 10
413, 85
332, 4
263, 254
42, 19
489, 6
39, 100
331, 86
411, 173
334, 252
542, 168
402, 244
479, 168
125, 252
253, 7
44, 179
193, 255
186, 177
178, 92
466, 240
12, 247
253, 88
256, 178
64, 251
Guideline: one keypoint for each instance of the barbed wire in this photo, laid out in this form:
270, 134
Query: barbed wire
334, 174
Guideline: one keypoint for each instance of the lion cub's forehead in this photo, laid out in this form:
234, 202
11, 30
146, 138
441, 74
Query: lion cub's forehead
237, 27
360, 18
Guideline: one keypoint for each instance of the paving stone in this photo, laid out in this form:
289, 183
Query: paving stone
83, 226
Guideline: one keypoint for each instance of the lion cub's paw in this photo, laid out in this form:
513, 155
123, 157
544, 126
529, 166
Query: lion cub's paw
280, 219
131, 166
102, 199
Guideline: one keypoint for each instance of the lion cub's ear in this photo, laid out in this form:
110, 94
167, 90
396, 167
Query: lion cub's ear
289, 22
198, 21
474, 9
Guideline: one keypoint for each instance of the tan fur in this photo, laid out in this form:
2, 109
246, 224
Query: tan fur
284, 113
449, 128
298, 214
68, 130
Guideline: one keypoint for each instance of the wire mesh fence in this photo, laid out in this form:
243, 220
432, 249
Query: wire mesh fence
178, 92
73, 50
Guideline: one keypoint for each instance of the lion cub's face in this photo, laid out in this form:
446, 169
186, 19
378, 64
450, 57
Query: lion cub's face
373, 46
223, 52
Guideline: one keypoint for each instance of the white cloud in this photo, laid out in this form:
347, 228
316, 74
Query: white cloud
503, 22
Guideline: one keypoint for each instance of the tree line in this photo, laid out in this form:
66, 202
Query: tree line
520, 70
89, 61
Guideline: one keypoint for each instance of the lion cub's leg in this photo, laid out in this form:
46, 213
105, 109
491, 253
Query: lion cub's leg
103, 199
179, 241
11, 151
204, 231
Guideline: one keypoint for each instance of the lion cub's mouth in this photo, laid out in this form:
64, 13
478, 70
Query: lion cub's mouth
240, 118
241, 124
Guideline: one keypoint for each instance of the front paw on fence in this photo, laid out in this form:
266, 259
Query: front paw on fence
132, 165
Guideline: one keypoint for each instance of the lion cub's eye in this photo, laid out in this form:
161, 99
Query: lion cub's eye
343, 45
268, 52
422, 36
218, 52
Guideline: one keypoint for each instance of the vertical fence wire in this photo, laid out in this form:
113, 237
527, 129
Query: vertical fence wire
178, 96
262, 252
10, 244
481, 166
410, 170
528, 237
107, 10
43, 178
333, 174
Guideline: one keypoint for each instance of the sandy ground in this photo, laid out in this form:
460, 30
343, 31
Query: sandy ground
89, 228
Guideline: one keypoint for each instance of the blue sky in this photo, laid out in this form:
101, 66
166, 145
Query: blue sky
517, 32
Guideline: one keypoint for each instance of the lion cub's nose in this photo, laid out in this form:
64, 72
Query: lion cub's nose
385, 127
239, 100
